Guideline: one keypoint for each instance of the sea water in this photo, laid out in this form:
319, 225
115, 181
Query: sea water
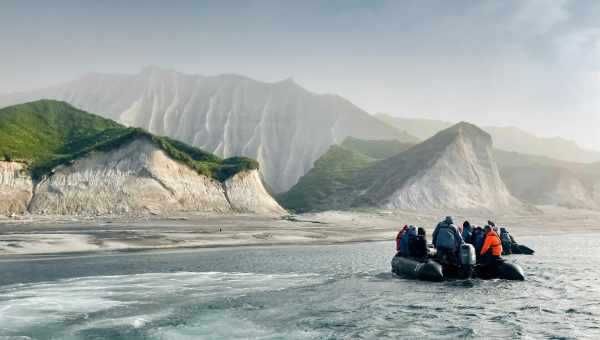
296, 292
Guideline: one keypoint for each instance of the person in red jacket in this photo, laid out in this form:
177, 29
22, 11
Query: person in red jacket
399, 237
491, 251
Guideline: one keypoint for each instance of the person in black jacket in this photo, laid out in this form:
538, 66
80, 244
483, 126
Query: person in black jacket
418, 245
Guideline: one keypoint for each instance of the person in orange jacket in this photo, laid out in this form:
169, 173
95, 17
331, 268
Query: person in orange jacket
491, 251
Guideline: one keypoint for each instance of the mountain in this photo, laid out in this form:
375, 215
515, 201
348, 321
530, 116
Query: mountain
544, 181
455, 169
419, 127
61, 160
505, 138
334, 170
282, 125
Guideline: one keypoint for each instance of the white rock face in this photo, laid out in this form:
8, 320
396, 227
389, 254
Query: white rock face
570, 192
464, 176
138, 178
16, 188
247, 194
283, 126
453, 170
565, 185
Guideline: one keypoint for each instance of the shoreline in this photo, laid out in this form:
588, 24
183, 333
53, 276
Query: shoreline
81, 236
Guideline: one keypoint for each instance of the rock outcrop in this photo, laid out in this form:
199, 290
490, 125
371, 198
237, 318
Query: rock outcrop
136, 178
16, 188
246, 193
453, 170
282, 125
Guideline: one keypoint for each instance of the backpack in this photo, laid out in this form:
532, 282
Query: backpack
445, 237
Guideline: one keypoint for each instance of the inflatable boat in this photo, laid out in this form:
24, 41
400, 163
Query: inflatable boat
432, 269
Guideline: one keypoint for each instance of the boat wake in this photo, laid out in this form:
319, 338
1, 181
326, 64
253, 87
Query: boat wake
156, 305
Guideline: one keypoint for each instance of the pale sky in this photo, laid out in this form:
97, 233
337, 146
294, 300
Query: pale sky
532, 64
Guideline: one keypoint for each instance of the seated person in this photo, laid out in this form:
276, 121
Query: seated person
447, 241
418, 245
507, 241
491, 251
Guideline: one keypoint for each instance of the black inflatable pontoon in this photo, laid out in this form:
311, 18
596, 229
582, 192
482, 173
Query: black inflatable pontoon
427, 270
431, 270
521, 249
500, 270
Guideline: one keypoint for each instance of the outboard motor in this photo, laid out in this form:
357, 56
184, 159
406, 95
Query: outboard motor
467, 259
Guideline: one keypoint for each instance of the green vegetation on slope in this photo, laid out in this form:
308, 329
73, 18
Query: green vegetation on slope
47, 133
378, 149
331, 172
334, 171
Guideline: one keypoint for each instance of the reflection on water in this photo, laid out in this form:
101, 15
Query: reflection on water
309, 292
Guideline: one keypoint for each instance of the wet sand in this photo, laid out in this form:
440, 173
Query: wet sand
59, 234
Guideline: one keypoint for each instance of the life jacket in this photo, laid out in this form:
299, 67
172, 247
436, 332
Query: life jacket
492, 244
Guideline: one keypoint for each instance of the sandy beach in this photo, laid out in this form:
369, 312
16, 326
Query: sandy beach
59, 234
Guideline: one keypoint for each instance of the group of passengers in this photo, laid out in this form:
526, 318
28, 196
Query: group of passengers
447, 238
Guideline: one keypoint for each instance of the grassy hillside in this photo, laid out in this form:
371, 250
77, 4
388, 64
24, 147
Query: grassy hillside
48, 133
335, 170
331, 172
378, 149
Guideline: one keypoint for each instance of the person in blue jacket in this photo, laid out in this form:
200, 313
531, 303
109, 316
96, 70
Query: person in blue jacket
467, 232
447, 241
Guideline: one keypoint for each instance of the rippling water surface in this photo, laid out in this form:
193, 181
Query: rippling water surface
309, 292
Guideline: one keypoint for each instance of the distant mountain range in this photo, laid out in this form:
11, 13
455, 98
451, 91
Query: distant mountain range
505, 138
544, 181
455, 169
282, 125
330, 144
56, 159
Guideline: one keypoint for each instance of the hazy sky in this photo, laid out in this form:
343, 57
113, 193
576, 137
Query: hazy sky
532, 64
